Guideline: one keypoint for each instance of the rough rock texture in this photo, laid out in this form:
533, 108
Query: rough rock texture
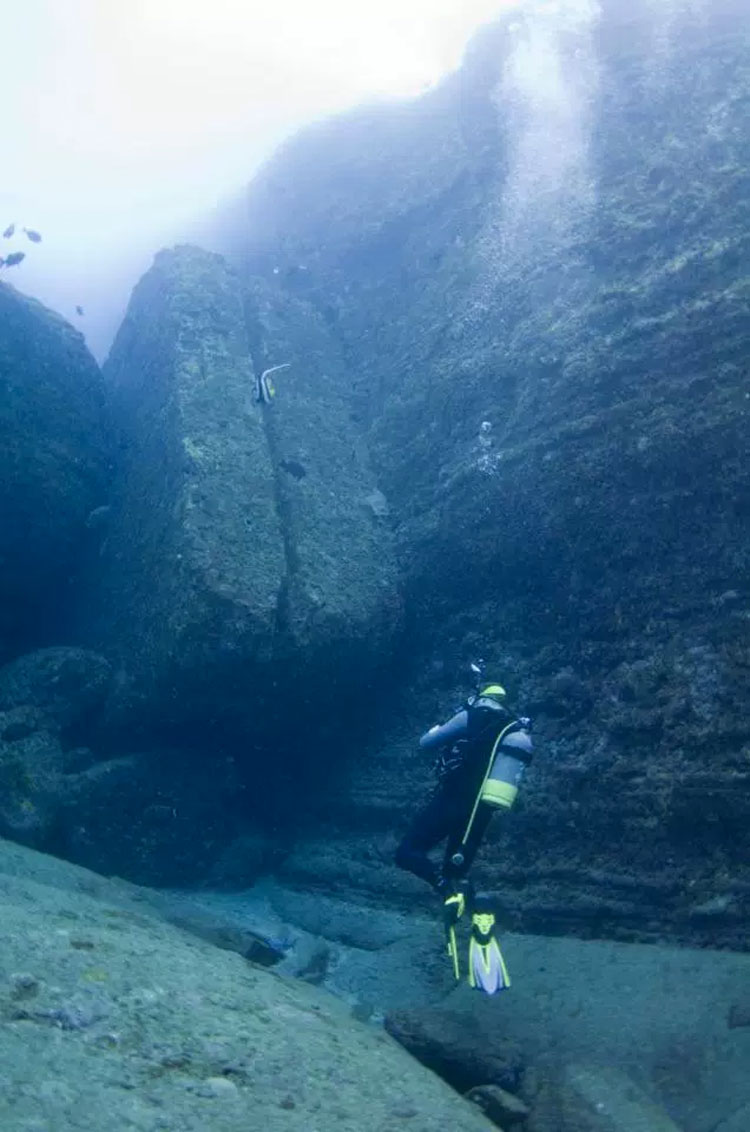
152, 816
596, 1099
53, 466
110, 1018
339, 602
654, 1021
43, 696
501, 1107
240, 536
157, 817
542, 292
61, 684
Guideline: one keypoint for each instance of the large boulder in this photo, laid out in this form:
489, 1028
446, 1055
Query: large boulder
243, 563
53, 466
111, 1018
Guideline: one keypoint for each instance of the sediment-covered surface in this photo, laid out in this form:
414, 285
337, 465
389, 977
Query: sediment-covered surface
111, 1018
594, 1035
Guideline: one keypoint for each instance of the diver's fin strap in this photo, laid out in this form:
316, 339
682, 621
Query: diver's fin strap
453, 951
454, 907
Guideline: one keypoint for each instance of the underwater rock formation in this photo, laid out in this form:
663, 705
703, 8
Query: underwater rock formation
152, 815
591, 332
110, 1018
512, 320
53, 466
239, 554
43, 776
61, 684
541, 288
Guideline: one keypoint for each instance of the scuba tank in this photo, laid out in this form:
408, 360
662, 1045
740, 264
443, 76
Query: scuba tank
511, 754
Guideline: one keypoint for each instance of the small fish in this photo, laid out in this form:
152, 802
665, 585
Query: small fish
33, 236
9, 231
79, 311
265, 390
14, 259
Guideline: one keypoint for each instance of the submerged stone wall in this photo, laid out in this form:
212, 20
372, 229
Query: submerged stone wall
538, 274
511, 317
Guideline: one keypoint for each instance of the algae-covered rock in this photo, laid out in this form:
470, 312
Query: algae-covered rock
193, 561
110, 1018
60, 684
151, 816
542, 288
340, 597
31, 778
53, 464
41, 695
235, 540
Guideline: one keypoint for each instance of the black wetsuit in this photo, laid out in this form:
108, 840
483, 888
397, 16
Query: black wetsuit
461, 768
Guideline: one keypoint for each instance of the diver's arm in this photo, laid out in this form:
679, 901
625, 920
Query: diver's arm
448, 732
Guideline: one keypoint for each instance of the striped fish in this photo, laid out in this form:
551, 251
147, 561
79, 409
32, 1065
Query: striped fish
265, 390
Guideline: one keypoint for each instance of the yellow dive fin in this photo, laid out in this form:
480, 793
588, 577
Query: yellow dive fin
487, 969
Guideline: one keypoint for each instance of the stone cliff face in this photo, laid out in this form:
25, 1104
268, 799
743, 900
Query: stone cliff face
541, 289
53, 466
242, 553
512, 316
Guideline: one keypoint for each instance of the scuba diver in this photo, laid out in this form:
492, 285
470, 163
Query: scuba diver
482, 754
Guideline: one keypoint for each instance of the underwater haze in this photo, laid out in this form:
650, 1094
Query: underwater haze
374, 654
130, 126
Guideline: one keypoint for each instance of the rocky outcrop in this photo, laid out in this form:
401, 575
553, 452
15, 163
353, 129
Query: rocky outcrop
53, 467
339, 601
541, 294
511, 325
111, 1018
152, 814
242, 555
62, 685
43, 775
545, 387
629, 1035
606, 1100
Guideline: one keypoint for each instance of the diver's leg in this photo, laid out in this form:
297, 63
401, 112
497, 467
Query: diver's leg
452, 867
428, 829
